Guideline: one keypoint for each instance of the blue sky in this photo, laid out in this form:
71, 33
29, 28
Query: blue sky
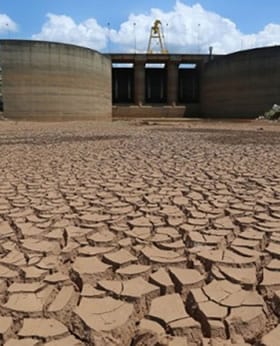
227, 25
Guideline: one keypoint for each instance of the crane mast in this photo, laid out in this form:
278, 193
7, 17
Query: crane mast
156, 35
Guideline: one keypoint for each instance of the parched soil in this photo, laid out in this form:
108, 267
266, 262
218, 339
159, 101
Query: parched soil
140, 233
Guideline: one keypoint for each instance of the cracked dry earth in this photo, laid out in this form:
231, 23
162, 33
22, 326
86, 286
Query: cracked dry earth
139, 235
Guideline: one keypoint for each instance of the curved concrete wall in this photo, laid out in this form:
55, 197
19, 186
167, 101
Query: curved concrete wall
243, 84
53, 81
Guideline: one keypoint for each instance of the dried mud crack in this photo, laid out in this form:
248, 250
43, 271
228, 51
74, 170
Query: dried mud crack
139, 235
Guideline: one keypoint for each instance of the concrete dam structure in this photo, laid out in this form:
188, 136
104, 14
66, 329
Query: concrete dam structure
55, 81
242, 84
156, 85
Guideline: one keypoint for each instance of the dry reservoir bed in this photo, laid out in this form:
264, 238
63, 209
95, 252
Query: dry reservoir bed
128, 234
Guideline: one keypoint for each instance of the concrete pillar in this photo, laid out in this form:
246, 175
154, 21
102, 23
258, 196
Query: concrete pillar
172, 83
139, 82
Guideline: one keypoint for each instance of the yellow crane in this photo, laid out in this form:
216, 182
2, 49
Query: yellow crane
156, 34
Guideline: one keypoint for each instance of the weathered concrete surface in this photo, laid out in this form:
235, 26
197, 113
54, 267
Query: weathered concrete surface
117, 234
44, 80
242, 84
160, 111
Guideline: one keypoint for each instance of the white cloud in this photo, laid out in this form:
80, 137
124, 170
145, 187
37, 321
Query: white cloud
269, 35
7, 24
62, 28
188, 29
192, 29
